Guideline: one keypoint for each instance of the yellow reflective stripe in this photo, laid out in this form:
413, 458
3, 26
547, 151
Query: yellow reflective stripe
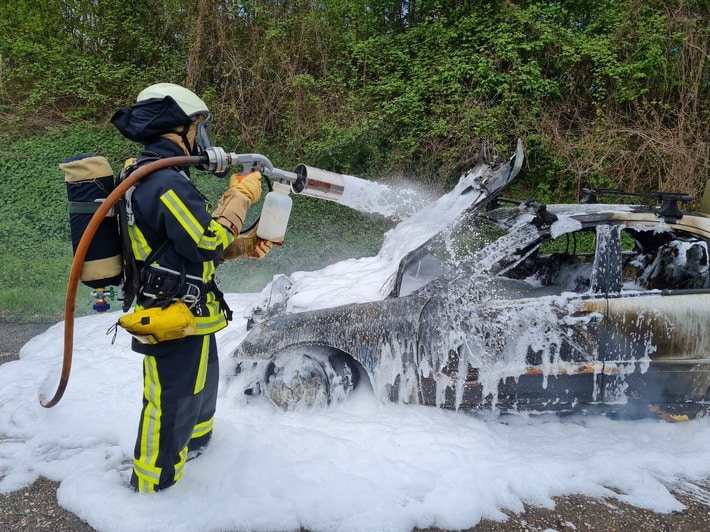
144, 466
148, 472
202, 369
183, 215
144, 485
210, 324
208, 269
202, 429
214, 320
208, 242
216, 235
139, 244
150, 429
179, 467
224, 235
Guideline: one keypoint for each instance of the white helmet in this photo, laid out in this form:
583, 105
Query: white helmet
188, 101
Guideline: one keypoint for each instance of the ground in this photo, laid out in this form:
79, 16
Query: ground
35, 507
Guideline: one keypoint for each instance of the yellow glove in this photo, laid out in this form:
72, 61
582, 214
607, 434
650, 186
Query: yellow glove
261, 248
247, 245
249, 185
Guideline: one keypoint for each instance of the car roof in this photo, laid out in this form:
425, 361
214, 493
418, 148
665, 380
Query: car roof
590, 214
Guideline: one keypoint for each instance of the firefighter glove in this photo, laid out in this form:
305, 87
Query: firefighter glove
247, 245
231, 210
249, 185
261, 248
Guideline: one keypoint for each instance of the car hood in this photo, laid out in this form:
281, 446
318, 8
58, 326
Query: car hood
371, 278
364, 330
358, 328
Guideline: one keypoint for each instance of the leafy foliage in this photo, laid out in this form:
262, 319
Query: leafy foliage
607, 92
35, 243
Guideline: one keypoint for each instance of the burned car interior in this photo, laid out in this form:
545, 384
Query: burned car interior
614, 257
643, 260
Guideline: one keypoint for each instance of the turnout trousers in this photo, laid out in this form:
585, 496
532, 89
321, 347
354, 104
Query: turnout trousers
180, 381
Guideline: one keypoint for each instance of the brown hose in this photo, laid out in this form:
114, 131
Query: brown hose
80, 255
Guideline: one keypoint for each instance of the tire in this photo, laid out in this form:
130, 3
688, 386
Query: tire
310, 377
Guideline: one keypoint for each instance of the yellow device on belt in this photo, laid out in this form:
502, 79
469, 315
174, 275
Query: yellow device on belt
156, 324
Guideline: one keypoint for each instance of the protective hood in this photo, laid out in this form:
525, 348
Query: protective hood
148, 119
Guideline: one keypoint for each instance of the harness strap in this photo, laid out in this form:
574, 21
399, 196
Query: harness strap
219, 296
131, 268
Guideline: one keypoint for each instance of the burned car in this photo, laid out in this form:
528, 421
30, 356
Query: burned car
514, 306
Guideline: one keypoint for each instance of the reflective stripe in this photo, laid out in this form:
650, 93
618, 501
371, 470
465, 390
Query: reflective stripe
150, 429
148, 477
224, 235
183, 215
214, 321
202, 368
208, 269
210, 325
144, 465
145, 486
180, 466
139, 244
202, 429
215, 236
208, 242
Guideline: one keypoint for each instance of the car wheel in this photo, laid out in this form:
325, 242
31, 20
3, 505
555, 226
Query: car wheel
308, 378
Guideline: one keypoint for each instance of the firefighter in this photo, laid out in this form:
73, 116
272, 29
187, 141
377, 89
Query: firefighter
178, 244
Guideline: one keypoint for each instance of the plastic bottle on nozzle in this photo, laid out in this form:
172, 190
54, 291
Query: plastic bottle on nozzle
275, 213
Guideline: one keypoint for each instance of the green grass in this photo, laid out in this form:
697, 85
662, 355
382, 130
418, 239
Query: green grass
35, 244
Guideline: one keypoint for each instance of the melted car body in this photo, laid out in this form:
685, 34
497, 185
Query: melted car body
516, 306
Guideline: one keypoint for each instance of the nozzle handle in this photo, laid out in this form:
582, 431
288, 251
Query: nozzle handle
219, 162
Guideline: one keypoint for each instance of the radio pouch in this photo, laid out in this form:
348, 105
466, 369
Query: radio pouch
157, 324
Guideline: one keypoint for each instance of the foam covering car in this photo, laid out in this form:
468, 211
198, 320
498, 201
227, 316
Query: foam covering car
512, 306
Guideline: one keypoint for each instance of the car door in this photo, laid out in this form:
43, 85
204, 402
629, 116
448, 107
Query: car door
522, 339
656, 347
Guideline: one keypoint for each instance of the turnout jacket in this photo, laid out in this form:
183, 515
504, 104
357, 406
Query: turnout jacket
172, 215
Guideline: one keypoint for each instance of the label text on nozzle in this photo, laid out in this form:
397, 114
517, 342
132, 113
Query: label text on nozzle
319, 184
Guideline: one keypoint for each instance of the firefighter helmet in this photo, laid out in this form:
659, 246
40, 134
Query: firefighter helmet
191, 104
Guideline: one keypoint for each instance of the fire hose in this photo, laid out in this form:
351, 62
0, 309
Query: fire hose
80, 255
305, 180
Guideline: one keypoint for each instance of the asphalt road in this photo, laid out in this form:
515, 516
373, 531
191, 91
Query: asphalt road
35, 507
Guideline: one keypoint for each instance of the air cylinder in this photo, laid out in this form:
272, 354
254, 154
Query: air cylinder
89, 180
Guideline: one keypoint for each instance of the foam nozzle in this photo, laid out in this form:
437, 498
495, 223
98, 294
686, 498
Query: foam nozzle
318, 183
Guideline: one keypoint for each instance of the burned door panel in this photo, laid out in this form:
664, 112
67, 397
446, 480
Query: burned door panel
518, 352
658, 327
661, 347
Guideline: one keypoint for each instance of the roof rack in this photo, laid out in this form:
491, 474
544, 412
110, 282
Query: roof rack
669, 200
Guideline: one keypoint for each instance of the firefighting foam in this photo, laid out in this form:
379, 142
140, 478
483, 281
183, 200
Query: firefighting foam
362, 465
358, 466
393, 201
